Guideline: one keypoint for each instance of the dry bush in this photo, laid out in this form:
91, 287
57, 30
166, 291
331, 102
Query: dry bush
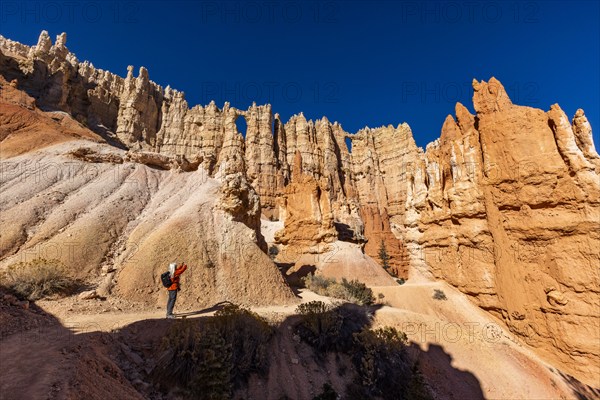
318, 284
39, 278
338, 291
352, 291
358, 292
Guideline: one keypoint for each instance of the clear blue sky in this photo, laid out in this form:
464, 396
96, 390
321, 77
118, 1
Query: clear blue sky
360, 63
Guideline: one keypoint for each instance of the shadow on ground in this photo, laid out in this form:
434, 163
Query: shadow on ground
436, 366
216, 307
43, 359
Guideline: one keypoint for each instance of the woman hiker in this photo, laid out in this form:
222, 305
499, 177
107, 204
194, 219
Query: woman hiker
174, 288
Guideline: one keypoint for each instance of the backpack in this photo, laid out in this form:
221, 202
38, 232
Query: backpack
166, 279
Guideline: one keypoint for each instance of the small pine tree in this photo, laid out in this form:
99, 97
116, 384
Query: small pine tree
384, 256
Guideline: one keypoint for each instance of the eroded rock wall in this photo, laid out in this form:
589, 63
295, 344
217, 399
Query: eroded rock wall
506, 207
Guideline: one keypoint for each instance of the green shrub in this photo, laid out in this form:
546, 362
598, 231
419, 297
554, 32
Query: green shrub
380, 358
209, 360
181, 350
439, 295
400, 281
327, 328
248, 334
384, 368
417, 388
390, 338
314, 307
212, 378
39, 278
199, 361
319, 324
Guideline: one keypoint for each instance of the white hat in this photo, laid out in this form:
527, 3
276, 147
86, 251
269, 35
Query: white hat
172, 267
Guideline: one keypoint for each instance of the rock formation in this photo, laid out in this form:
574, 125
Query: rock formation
505, 205
308, 218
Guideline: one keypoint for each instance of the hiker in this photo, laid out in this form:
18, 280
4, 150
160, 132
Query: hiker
175, 272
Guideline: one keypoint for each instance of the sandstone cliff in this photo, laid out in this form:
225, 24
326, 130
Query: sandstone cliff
308, 218
505, 205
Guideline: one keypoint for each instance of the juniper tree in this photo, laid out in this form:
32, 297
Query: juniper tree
384, 256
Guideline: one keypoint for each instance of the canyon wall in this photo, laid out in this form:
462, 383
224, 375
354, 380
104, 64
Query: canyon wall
505, 205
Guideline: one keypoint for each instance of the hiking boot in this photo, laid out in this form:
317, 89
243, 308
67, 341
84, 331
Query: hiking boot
170, 316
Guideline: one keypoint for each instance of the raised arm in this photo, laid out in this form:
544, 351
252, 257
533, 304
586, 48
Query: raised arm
180, 270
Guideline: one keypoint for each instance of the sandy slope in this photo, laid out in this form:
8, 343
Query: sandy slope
455, 332
133, 218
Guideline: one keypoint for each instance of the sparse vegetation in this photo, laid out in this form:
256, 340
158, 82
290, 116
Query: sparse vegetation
400, 281
38, 279
439, 294
210, 360
329, 328
378, 348
352, 291
384, 368
384, 257
273, 252
379, 356
319, 325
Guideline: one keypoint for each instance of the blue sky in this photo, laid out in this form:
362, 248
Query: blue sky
360, 63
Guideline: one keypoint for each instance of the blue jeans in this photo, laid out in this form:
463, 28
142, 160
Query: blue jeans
171, 301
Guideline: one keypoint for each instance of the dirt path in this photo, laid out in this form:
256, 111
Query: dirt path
37, 347
460, 347
111, 320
